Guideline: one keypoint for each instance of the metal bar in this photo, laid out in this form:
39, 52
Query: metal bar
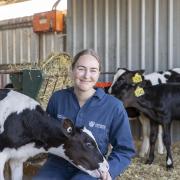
106, 25
16, 23
118, 40
84, 25
108, 72
170, 35
10, 72
143, 36
1, 43
156, 36
95, 25
129, 10
74, 28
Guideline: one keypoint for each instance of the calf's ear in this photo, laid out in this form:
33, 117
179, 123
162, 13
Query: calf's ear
140, 71
68, 127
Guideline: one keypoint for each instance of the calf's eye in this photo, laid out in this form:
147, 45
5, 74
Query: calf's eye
89, 145
69, 129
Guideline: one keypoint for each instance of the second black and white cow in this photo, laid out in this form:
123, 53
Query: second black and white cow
124, 75
133, 77
161, 104
26, 130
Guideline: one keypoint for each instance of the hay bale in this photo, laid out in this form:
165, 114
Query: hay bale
56, 75
55, 69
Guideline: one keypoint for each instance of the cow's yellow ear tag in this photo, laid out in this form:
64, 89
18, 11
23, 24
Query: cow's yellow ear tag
137, 78
139, 91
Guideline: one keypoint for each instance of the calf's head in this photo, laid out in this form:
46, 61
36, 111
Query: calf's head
128, 92
80, 149
124, 77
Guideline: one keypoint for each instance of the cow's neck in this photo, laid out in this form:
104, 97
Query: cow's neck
143, 108
55, 136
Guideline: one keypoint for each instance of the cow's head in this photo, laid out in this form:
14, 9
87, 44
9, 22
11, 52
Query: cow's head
128, 86
125, 77
132, 94
80, 149
126, 93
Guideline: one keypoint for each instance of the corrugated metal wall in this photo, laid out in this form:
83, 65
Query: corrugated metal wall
19, 44
127, 33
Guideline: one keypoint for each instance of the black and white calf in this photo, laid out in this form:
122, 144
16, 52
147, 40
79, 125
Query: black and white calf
124, 75
161, 104
133, 77
26, 130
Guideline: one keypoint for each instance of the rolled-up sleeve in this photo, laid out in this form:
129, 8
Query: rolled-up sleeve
121, 140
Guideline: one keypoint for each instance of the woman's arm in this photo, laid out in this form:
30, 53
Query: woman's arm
122, 143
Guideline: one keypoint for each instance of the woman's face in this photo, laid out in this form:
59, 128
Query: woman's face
85, 73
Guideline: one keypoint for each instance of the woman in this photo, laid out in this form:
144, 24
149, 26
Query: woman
102, 114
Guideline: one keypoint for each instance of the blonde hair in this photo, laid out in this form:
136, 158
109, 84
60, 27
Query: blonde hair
86, 52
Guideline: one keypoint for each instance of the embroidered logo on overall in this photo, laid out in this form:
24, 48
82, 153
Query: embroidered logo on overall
94, 124
60, 116
91, 123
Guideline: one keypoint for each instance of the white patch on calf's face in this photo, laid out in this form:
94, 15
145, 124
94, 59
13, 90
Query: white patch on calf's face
94, 173
103, 167
85, 130
116, 76
14, 102
60, 151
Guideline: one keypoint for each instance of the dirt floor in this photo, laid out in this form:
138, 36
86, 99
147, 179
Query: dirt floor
136, 171
157, 171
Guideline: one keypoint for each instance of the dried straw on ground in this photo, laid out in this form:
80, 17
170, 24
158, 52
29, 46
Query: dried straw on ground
157, 171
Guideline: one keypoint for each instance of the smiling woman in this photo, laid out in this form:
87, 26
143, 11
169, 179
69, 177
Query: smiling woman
101, 113
27, 7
